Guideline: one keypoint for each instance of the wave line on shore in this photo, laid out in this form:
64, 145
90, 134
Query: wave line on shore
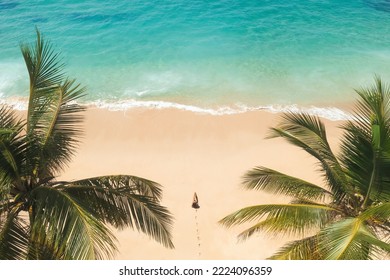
330, 113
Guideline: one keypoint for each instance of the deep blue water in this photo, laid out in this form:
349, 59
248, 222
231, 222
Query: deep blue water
205, 53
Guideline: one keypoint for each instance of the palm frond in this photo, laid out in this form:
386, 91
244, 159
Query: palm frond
290, 219
59, 129
45, 72
366, 143
367, 168
357, 155
9, 123
349, 239
53, 116
269, 180
303, 249
12, 149
380, 211
308, 133
373, 107
258, 227
13, 237
125, 201
129, 183
65, 229
377, 249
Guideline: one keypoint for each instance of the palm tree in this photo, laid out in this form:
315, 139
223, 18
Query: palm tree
43, 218
349, 216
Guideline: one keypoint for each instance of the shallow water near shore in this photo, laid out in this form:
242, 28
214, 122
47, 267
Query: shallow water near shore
214, 56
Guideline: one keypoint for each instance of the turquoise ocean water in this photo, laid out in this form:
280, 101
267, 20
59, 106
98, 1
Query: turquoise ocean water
220, 56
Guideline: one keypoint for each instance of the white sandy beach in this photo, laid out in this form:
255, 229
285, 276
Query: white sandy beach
188, 152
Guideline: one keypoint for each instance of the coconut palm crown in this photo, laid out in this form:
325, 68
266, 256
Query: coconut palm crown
348, 217
44, 218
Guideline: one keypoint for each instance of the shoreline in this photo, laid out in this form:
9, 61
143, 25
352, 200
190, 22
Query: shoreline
333, 112
188, 152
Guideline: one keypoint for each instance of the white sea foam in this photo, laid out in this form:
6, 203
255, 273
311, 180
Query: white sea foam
330, 113
19, 104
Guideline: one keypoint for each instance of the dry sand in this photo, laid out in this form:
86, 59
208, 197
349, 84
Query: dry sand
188, 152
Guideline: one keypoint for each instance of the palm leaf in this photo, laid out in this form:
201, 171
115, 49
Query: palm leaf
12, 149
288, 219
381, 212
366, 143
133, 184
53, 116
258, 227
64, 228
9, 123
303, 249
349, 239
261, 178
357, 155
60, 128
13, 237
125, 201
374, 104
308, 133
45, 73
367, 167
